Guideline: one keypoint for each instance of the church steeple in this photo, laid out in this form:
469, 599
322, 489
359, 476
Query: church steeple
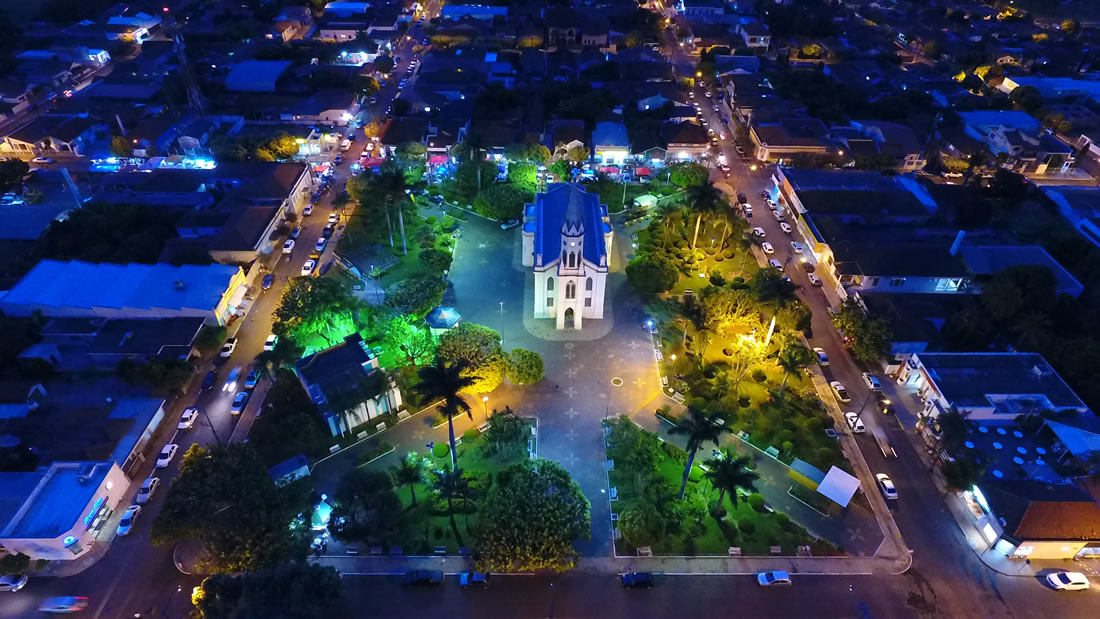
572, 231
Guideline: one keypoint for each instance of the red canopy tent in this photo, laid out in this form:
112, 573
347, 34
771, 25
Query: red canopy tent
437, 159
642, 171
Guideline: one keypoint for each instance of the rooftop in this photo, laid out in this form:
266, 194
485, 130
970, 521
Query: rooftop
1035, 510
550, 208
57, 501
992, 259
978, 379
256, 75
336, 369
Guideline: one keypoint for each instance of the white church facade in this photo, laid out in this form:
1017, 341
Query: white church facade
567, 242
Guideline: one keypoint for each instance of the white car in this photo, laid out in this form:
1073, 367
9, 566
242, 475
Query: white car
887, 485
307, 268
855, 423
147, 490
822, 358
228, 347
748, 210
767, 247
785, 227
13, 582
775, 264
814, 280
307, 211
774, 578
43, 160
1068, 581
288, 247
840, 391
188, 419
758, 231
321, 242
871, 382
334, 218
778, 215
166, 455
127, 523
797, 247
270, 342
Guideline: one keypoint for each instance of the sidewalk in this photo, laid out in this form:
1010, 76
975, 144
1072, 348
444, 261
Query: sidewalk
382, 565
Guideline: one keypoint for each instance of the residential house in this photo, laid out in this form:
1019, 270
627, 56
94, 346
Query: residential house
348, 386
685, 141
895, 140
78, 343
755, 35
52, 135
1030, 149
1080, 206
610, 145
779, 141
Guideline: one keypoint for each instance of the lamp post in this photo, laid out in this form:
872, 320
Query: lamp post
210, 423
485, 406
502, 321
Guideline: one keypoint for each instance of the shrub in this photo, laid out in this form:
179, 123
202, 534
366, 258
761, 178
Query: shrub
524, 367
431, 220
717, 279
825, 456
746, 525
756, 501
727, 254
441, 450
470, 435
641, 524
783, 520
373, 453
434, 260
744, 402
759, 376
718, 513
675, 453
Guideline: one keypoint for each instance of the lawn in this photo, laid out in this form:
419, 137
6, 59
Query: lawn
612, 193
426, 525
754, 531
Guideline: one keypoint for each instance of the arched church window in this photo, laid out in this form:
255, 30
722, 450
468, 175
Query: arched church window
550, 284
588, 284
570, 290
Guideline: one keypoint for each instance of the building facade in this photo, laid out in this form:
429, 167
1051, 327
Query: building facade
567, 238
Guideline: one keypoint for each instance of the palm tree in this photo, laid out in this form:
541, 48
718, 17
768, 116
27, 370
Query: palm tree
390, 183
705, 200
1032, 329
409, 473
953, 425
699, 428
730, 472
792, 358
440, 381
452, 485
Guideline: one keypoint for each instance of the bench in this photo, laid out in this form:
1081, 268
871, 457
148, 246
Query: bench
735, 551
614, 494
484, 427
440, 550
352, 550
614, 517
645, 551
773, 452
362, 435
611, 464
658, 354
664, 381
334, 449
403, 415
534, 432
618, 533
458, 441
381, 426
776, 550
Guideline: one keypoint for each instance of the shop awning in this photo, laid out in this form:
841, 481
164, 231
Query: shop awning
320, 168
371, 162
642, 171
437, 159
609, 170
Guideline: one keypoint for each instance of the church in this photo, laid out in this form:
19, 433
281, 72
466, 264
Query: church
567, 241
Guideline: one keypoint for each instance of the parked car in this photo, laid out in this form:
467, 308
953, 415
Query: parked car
188, 419
270, 342
43, 160
166, 455
822, 358
209, 380
778, 215
334, 218
435, 199
147, 490
774, 578
329, 230
473, 579
288, 247
127, 523
228, 347
64, 604
307, 268
231, 380
855, 423
759, 232
268, 281
320, 245
885, 406
785, 227
814, 280
508, 224
887, 485
239, 402
747, 209
252, 378
422, 577
871, 382
797, 247
840, 391
13, 582
1068, 581
775, 264
636, 580
767, 247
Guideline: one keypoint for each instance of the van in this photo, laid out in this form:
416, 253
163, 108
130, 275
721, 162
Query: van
345, 145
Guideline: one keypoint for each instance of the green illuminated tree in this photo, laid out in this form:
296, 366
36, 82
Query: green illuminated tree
416, 343
523, 176
537, 510
687, 174
408, 473
444, 381
502, 201
699, 428
320, 306
416, 295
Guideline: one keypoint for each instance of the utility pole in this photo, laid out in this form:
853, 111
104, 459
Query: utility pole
211, 425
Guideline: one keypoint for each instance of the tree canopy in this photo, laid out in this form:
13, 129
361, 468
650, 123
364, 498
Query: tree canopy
870, 337
367, 507
536, 510
524, 366
290, 424
686, 174
291, 591
651, 273
224, 497
501, 200
315, 306
478, 347
416, 295
116, 233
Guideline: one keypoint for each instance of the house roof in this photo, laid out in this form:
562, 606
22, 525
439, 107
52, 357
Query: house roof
853, 257
336, 369
256, 75
609, 134
793, 132
992, 259
405, 129
684, 133
1040, 511
969, 379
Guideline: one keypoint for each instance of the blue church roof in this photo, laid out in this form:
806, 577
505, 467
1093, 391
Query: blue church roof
549, 210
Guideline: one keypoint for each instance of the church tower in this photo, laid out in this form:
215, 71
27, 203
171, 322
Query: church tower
571, 269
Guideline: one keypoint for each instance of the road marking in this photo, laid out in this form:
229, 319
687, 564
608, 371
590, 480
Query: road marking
570, 392
638, 382
572, 412
569, 355
633, 344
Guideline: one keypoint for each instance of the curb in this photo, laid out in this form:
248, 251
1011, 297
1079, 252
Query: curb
363, 440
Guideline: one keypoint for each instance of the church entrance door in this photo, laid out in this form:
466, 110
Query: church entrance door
569, 318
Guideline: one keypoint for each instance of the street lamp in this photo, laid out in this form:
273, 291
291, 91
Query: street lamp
485, 406
673, 357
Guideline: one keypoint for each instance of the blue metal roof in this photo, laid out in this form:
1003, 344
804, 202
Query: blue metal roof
550, 208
